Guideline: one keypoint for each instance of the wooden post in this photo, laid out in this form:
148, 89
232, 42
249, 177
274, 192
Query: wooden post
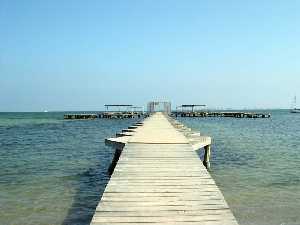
114, 161
206, 162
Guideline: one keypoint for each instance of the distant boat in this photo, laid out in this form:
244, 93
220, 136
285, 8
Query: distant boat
294, 108
45, 111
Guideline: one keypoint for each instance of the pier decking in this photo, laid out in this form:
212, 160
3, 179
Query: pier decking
159, 179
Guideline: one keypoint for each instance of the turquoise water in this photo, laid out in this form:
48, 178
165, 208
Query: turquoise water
53, 171
256, 163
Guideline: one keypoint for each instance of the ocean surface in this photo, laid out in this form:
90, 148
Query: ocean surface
52, 171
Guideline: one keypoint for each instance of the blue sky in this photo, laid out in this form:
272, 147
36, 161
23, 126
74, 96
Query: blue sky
80, 55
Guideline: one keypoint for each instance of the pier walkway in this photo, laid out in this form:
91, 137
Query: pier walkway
159, 179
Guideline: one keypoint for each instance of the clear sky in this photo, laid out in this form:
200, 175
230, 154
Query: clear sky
79, 55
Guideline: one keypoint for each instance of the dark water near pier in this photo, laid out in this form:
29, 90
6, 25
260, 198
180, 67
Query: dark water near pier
52, 170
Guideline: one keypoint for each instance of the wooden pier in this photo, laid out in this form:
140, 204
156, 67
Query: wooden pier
122, 111
122, 115
106, 115
159, 179
220, 114
80, 116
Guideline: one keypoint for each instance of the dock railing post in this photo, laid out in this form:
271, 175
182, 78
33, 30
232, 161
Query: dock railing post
206, 162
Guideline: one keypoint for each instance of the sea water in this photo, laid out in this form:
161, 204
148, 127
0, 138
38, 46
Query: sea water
256, 164
53, 171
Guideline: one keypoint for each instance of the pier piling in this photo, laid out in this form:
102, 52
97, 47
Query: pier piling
206, 158
115, 160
